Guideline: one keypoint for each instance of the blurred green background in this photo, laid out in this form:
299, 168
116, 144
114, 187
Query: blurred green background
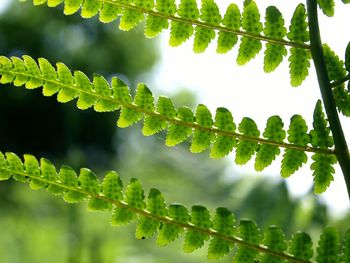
37, 227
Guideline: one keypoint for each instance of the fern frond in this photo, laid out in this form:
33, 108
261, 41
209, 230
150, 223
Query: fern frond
323, 164
299, 59
327, 6
153, 216
220, 136
205, 23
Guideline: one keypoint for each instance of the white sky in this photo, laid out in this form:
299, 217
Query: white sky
217, 81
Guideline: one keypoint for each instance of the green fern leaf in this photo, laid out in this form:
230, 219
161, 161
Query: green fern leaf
335, 66
202, 37
144, 98
267, 153
180, 32
71, 6
4, 174
68, 177
65, 77
31, 166
299, 59
147, 227
7, 66
199, 217
112, 186
274, 239
249, 48
301, 246
86, 99
223, 145
223, 223
178, 133
131, 18
89, 183
33, 70
168, 233
248, 231
320, 135
246, 149
16, 165
127, 116
232, 19
328, 248
109, 12
103, 89
39, 2
53, 3
345, 257
49, 73
297, 134
134, 197
49, 174
18, 64
347, 57
274, 28
90, 8
154, 25
327, 7
152, 125
201, 139
342, 99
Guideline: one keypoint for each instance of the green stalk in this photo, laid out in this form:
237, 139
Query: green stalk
341, 149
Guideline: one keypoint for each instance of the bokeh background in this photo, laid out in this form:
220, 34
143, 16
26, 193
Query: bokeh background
37, 227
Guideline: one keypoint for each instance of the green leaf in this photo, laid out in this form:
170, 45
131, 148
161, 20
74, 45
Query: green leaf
4, 174
131, 18
328, 249
274, 28
109, 12
53, 3
35, 79
232, 19
15, 164
342, 99
299, 65
249, 47
71, 6
301, 246
104, 91
6, 67
51, 86
202, 38
168, 232
246, 149
67, 81
327, 7
112, 186
223, 145
347, 57
223, 223
90, 8
180, 32
178, 133
31, 166
335, 66
345, 257
20, 79
297, 134
146, 227
69, 179
267, 153
298, 27
322, 171
201, 139
249, 232
82, 82
199, 217
49, 174
275, 240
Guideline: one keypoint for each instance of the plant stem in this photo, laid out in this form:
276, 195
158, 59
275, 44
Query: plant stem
341, 149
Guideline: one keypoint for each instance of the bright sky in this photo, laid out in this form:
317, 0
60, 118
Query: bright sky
217, 81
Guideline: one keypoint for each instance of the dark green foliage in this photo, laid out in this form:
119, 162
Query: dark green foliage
347, 57
327, 6
274, 239
335, 66
345, 256
249, 231
301, 246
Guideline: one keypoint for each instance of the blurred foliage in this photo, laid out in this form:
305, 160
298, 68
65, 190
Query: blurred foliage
37, 227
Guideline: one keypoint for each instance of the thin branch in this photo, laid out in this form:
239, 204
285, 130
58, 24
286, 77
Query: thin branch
341, 148
340, 81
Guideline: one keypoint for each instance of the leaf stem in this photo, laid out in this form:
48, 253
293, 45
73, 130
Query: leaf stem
340, 81
341, 149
